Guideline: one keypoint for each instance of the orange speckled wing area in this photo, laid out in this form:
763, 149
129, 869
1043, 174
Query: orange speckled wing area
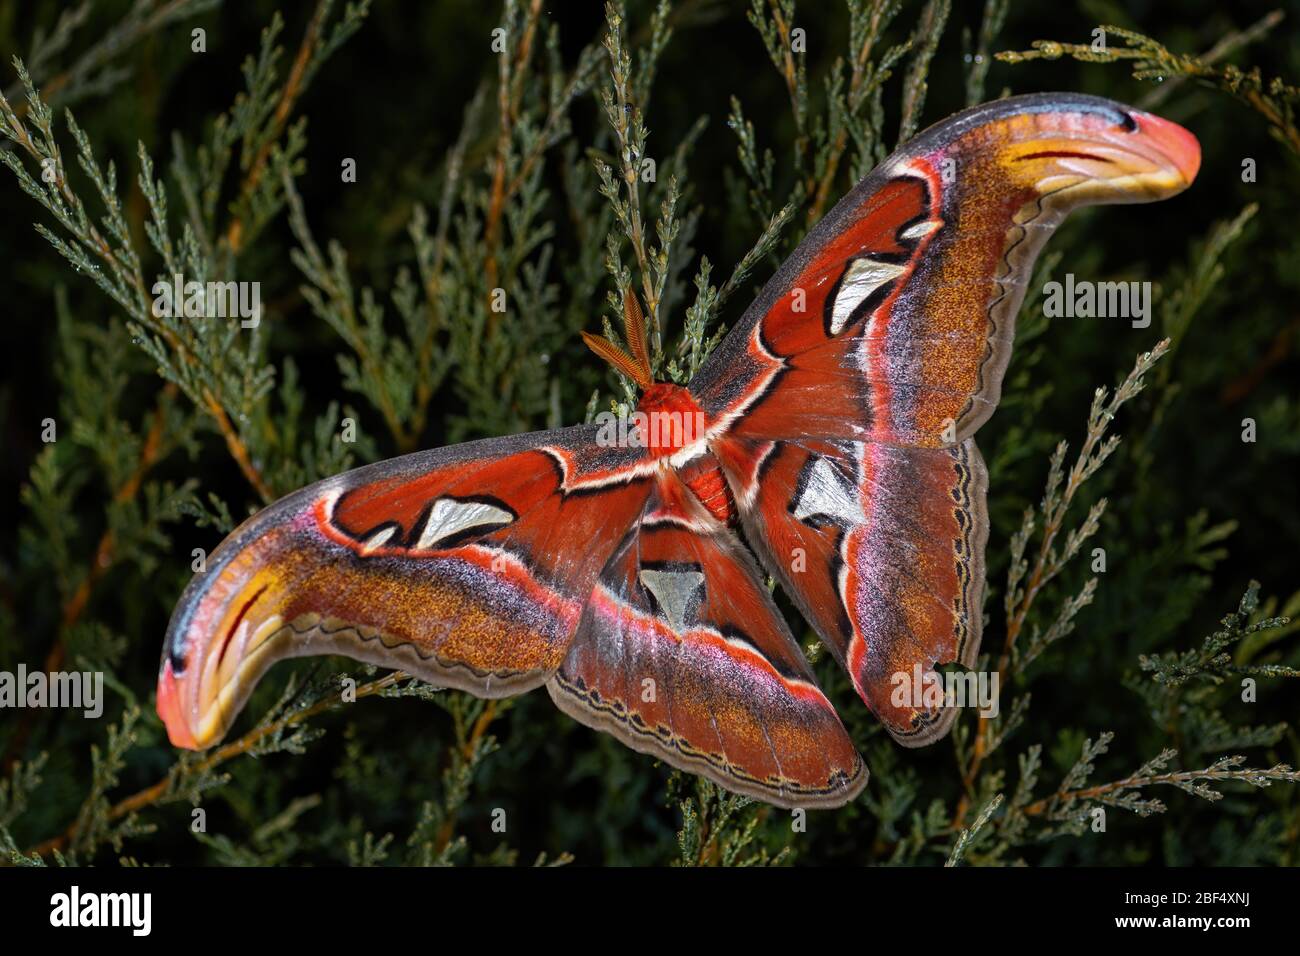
842, 406
882, 547
682, 654
467, 566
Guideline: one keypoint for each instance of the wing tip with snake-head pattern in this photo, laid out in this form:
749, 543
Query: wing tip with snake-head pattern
443, 564
848, 395
921, 267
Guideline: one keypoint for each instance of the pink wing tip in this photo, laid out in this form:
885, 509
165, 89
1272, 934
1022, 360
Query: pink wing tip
171, 711
1175, 142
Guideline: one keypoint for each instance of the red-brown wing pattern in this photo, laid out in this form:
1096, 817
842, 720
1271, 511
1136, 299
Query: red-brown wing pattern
840, 411
682, 654
882, 548
893, 320
857, 378
806, 347
467, 566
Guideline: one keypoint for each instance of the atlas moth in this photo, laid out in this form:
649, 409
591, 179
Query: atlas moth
842, 430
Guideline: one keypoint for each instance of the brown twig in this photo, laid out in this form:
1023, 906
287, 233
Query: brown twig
90, 235
1042, 570
1015, 623
1039, 807
101, 247
288, 96
467, 751
234, 237
152, 794
1047, 563
509, 97
790, 74
238, 450
111, 44
1225, 47
1284, 127
1277, 352
105, 554
822, 191
431, 276
1152, 59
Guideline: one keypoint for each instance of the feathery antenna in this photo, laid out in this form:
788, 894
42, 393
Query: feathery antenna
637, 365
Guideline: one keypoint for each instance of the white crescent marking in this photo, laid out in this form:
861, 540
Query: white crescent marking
921, 229
377, 540
449, 517
863, 277
824, 494
674, 590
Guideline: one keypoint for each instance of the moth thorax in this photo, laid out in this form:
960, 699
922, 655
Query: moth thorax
668, 418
